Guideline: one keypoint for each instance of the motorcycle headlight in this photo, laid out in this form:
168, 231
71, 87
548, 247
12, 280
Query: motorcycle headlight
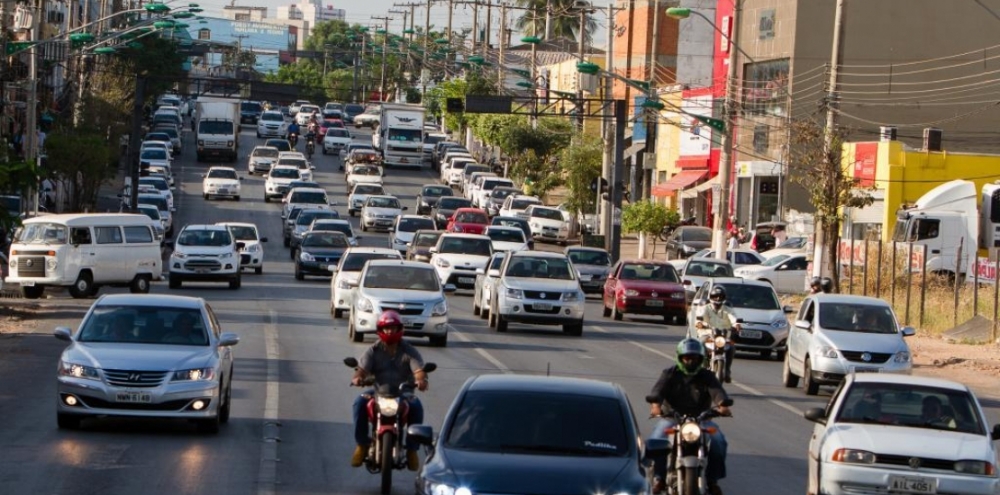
631, 293
365, 306
853, 456
388, 405
440, 309
720, 342
901, 357
782, 323
78, 371
690, 432
195, 375
443, 263
515, 293
304, 256
828, 351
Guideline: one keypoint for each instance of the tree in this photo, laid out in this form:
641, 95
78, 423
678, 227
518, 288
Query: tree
581, 166
304, 73
564, 22
82, 162
823, 175
646, 217
533, 152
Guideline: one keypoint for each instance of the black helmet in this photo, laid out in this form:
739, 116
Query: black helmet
717, 295
816, 284
690, 347
827, 284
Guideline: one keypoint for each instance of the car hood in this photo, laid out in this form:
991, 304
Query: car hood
410, 296
470, 228
649, 285
898, 440
509, 246
383, 211
861, 341
337, 139
279, 182
150, 357
202, 250
469, 260
592, 269
536, 474
750, 270
359, 197
761, 316
541, 284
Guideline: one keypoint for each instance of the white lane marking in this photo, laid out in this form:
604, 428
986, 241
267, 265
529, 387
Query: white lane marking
267, 476
752, 391
482, 352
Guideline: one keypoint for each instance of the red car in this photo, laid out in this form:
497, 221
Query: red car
326, 124
468, 221
645, 287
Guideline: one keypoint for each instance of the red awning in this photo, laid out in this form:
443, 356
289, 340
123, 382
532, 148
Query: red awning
682, 180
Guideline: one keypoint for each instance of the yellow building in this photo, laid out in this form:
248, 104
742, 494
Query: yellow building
564, 80
668, 136
901, 176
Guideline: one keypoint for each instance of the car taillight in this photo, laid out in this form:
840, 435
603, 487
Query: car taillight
753, 243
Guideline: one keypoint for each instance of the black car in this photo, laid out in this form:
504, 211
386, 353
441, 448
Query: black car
352, 110
445, 207
687, 240
429, 196
516, 222
250, 111
281, 144
497, 196
419, 248
319, 251
525, 434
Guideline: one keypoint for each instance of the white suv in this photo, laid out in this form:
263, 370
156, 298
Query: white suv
456, 257
410, 288
347, 272
548, 223
538, 287
278, 180
205, 253
515, 206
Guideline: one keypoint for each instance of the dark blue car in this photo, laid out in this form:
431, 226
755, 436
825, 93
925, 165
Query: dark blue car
318, 251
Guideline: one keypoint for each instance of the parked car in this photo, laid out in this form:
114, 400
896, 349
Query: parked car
593, 264
687, 240
765, 321
539, 288
786, 272
644, 287
761, 238
835, 335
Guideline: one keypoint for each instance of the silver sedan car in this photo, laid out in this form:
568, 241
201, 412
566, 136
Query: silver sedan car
146, 356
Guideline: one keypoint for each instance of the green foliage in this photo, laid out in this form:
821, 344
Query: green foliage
157, 60
647, 217
82, 161
413, 95
15, 178
242, 59
532, 151
327, 35
452, 88
581, 165
564, 25
305, 73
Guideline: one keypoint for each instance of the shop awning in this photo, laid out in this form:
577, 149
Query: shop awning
680, 181
700, 188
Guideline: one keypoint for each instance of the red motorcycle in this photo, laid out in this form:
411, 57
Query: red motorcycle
388, 412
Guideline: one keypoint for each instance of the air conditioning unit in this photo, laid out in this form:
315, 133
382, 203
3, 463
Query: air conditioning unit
932, 139
887, 133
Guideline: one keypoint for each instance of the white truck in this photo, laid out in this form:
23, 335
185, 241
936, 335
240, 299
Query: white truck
947, 216
217, 130
400, 135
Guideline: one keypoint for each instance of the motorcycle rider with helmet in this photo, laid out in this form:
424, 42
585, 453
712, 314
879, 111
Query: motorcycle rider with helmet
392, 362
818, 285
689, 389
293, 132
717, 315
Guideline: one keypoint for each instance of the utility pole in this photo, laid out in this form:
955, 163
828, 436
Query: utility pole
628, 51
548, 20
502, 45
475, 25
579, 77
427, 53
30, 144
832, 97
385, 47
652, 116
608, 158
238, 62
486, 29
726, 153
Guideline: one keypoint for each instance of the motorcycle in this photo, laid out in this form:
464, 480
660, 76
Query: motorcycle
687, 460
718, 343
293, 139
388, 412
310, 146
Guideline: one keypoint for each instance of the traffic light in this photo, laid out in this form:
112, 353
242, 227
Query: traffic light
599, 182
454, 105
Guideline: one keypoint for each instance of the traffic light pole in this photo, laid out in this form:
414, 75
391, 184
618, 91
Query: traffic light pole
614, 240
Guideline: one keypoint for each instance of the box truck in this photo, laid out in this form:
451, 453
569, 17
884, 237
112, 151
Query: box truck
218, 130
401, 134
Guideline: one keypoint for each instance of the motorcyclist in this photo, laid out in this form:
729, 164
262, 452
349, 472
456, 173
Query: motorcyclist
818, 285
689, 389
392, 362
293, 128
717, 315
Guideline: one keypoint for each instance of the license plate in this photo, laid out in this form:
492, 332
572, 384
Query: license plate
542, 306
28, 283
861, 369
654, 302
223, 191
201, 270
403, 160
548, 234
466, 280
751, 334
407, 321
909, 484
586, 278
134, 397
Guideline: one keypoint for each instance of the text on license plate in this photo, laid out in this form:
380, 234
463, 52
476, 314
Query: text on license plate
751, 334
910, 484
134, 397
654, 302
859, 369
542, 306
466, 280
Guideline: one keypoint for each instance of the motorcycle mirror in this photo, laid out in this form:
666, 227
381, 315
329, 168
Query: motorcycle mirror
429, 367
700, 318
351, 362
739, 320
652, 399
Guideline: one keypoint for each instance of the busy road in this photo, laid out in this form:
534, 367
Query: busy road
291, 423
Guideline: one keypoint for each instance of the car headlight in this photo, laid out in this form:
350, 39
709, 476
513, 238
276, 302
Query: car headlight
226, 255
853, 456
690, 432
901, 357
179, 255
440, 309
304, 256
631, 293
365, 306
514, 293
443, 263
782, 323
571, 296
78, 371
253, 248
975, 467
344, 284
195, 375
828, 351
442, 489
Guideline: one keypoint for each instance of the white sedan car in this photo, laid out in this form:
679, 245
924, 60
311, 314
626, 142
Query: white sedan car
785, 272
884, 433
278, 179
335, 140
506, 238
346, 273
380, 212
221, 182
547, 223
363, 174
408, 287
359, 194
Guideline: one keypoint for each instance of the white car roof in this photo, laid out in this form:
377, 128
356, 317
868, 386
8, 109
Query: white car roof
404, 263
847, 299
208, 226
237, 224
151, 299
264, 148
739, 281
220, 167
467, 236
308, 189
291, 154
503, 227
382, 196
371, 250
539, 254
908, 380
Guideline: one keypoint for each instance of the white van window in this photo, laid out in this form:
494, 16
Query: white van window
108, 235
81, 235
138, 235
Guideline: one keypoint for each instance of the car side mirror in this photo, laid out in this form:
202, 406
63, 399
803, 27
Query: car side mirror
263, 239
656, 447
421, 434
434, 250
908, 332
450, 288
406, 208
803, 324
788, 309
817, 415
63, 333
739, 320
480, 271
228, 339
493, 273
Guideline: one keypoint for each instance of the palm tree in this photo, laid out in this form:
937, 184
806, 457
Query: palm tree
564, 21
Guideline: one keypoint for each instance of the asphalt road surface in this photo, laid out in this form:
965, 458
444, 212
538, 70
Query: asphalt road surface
290, 431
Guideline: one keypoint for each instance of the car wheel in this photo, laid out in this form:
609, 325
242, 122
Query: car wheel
788, 379
68, 421
174, 281
209, 426
501, 324
287, 242
235, 283
338, 313
812, 388
574, 329
267, 199
351, 213
491, 320
766, 354
354, 334
83, 287
226, 406
615, 314
237, 198
439, 340
32, 292
324, 150
258, 270
139, 285
363, 228
484, 311
605, 311
291, 256
298, 272
205, 196
476, 309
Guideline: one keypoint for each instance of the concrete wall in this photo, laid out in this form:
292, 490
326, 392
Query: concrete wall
695, 44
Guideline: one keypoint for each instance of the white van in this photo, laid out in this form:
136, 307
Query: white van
84, 251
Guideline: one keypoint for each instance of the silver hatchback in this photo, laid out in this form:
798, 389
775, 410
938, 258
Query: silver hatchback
146, 356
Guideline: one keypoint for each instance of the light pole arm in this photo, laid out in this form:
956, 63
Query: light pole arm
116, 14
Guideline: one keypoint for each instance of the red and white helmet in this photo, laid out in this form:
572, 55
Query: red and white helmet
389, 327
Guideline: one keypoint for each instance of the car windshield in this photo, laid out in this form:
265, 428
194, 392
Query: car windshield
159, 184
540, 267
435, 191
153, 154
265, 153
522, 204
169, 131
502, 193
697, 235
243, 232
303, 183
356, 261
433, 139
272, 116
368, 189
342, 227
42, 233
309, 197
414, 224
306, 218
279, 144
360, 146
222, 173
793, 243
466, 245
205, 237
337, 133
406, 135
365, 170
653, 272
377, 202
154, 199
324, 239
216, 127
447, 203
855, 317
506, 235
775, 260
540, 424
354, 108
293, 162
477, 217
426, 240
402, 278
911, 406
698, 268
284, 173
547, 213
587, 257
157, 136
150, 211
751, 296
491, 184
144, 325
248, 106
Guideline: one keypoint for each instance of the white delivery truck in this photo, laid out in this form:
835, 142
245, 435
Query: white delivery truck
947, 216
218, 129
401, 134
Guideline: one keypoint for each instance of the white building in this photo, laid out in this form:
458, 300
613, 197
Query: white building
241, 13
311, 11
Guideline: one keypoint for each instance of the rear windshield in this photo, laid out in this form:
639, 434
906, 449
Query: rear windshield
426, 240
453, 203
414, 224
585, 257
465, 245
308, 197
506, 235
356, 261
367, 189
266, 152
547, 213
653, 272
250, 107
